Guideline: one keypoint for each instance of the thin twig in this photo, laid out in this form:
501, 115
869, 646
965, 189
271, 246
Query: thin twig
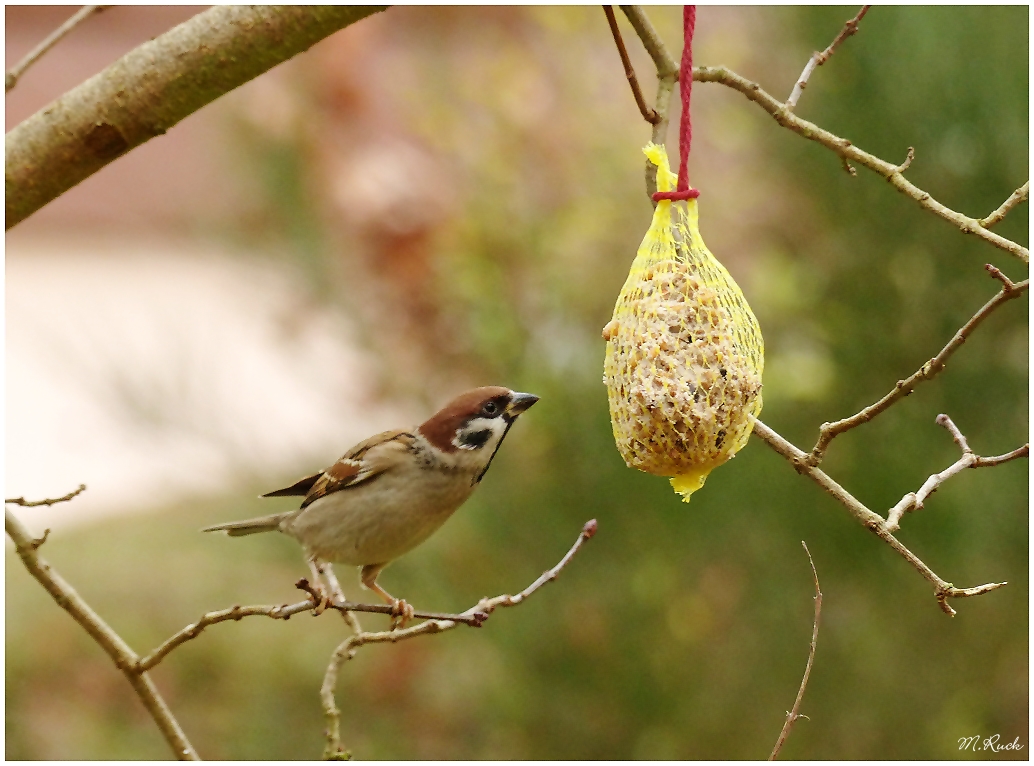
829, 431
474, 620
913, 501
33, 503
908, 160
285, 612
988, 462
793, 715
818, 59
12, 75
648, 114
1018, 196
943, 590
346, 651
117, 649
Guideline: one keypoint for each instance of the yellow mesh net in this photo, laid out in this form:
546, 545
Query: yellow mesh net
684, 351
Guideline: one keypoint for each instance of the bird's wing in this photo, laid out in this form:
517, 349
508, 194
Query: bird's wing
300, 487
361, 463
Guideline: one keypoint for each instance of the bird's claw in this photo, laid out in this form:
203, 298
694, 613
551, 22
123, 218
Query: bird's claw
324, 602
401, 613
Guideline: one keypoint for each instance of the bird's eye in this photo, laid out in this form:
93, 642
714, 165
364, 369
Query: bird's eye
491, 409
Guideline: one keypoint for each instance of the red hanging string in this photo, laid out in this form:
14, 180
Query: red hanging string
682, 190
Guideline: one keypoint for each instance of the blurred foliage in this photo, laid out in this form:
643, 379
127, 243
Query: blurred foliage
680, 631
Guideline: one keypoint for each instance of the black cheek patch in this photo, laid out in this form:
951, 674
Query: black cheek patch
475, 439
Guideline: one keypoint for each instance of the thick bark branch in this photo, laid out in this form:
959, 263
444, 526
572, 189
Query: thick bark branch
150, 89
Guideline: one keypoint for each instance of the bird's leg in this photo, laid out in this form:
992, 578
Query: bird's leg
317, 568
336, 593
401, 612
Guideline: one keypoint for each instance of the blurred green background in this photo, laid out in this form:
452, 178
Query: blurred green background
681, 631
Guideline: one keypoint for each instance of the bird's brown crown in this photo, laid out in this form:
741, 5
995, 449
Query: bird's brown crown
441, 428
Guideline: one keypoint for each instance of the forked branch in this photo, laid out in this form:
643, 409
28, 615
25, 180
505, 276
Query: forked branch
829, 431
843, 148
346, 651
118, 650
667, 76
135, 667
943, 590
913, 501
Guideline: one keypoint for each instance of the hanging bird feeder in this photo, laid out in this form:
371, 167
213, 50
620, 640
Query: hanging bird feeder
684, 351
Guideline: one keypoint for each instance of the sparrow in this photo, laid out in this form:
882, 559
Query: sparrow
391, 492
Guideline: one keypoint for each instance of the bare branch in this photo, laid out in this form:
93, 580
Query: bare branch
908, 160
666, 66
1018, 196
913, 501
236, 612
949, 425
32, 503
474, 620
15, 72
667, 76
943, 590
121, 654
829, 431
648, 114
988, 462
818, 59
346, 651
285, 612
793, 715
845, 149
787, 119
150, 89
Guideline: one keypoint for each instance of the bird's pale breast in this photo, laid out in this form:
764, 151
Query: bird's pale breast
379, 520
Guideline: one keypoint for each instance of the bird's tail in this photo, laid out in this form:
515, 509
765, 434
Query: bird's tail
250, 526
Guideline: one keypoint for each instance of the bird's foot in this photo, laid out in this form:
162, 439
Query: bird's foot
318, 595
401, 613
324, 602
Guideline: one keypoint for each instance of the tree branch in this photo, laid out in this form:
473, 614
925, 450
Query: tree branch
648, 114
850, 153
15, 72
121, 654
818, 59
1018, 196
150, 89
787, 119
346, 651
793, 715
285, 612
829, 431
943, 590
913, 501
33, 503
667, 76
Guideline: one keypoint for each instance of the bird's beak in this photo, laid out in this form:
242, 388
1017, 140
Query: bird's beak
519, 403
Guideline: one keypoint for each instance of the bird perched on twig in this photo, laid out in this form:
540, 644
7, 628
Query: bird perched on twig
389, 493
